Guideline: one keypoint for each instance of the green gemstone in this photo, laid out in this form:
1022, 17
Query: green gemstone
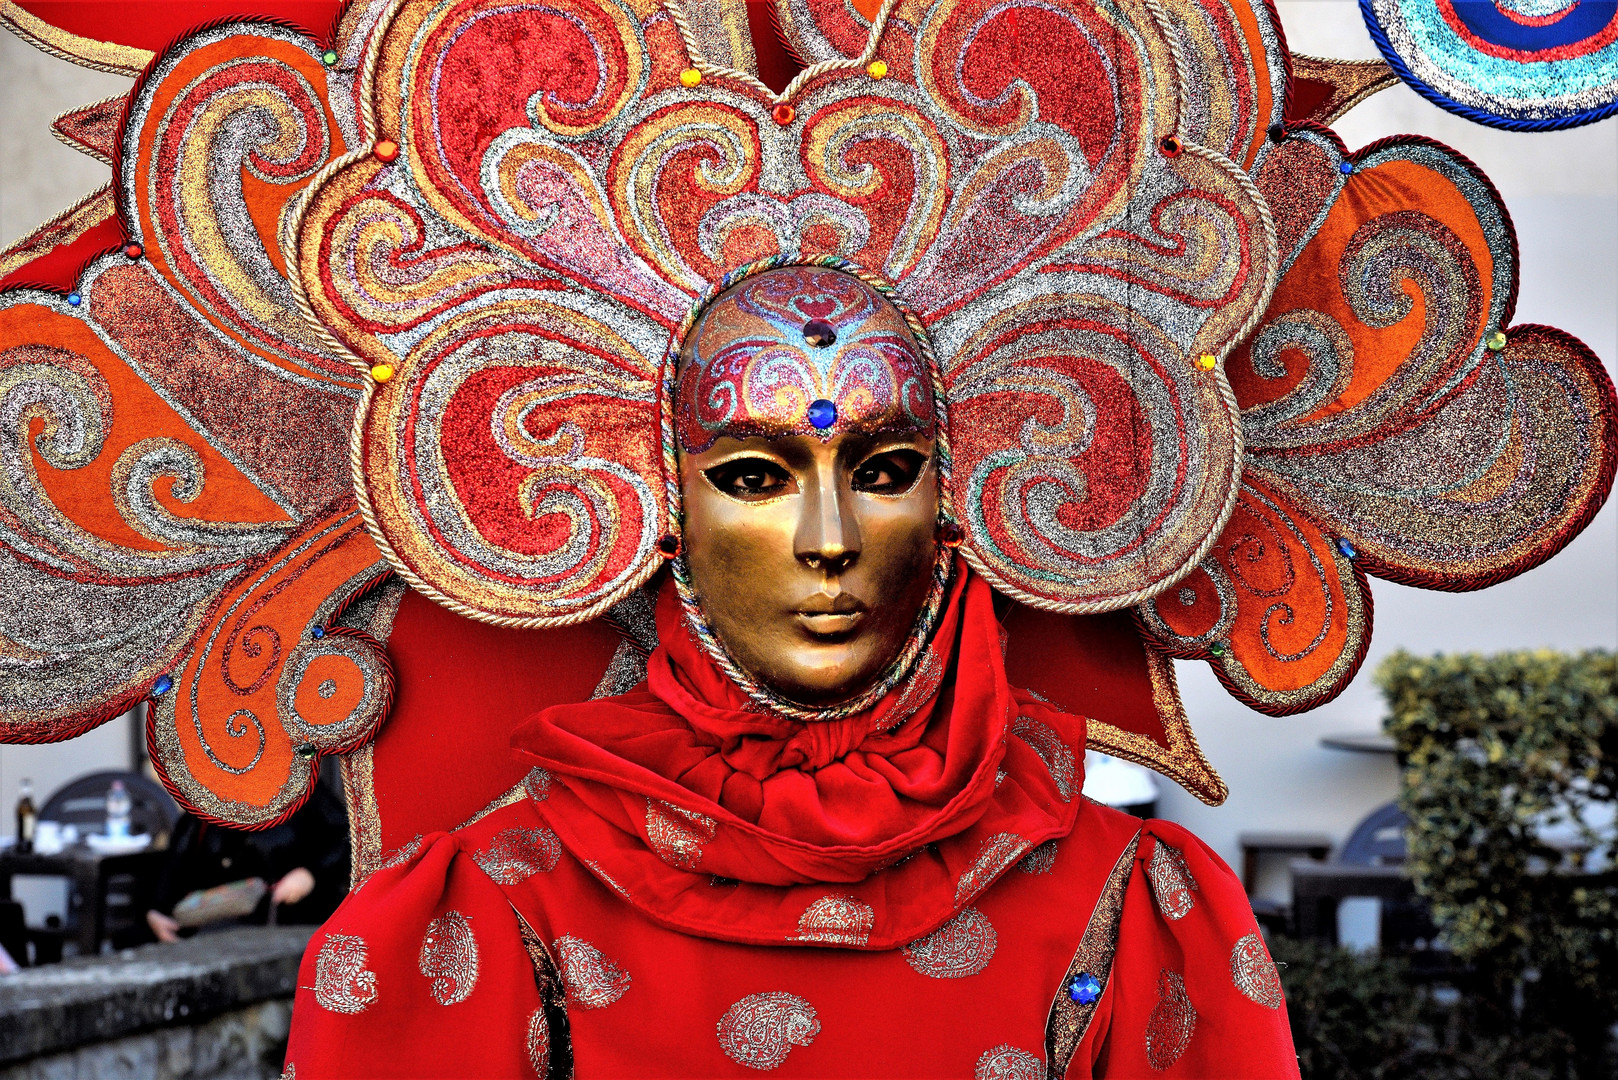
329, 57
1496, 341
1217, 649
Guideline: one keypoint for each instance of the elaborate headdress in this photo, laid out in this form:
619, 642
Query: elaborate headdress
405, 302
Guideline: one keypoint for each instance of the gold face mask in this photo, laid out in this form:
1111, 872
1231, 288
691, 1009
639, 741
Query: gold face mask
804, 413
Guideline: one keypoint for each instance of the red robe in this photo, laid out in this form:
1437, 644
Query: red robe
682, 887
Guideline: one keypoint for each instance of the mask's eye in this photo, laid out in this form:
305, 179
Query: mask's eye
750, 478
892, 472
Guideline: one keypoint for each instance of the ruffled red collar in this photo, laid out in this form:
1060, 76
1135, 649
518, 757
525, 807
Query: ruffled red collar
909, 809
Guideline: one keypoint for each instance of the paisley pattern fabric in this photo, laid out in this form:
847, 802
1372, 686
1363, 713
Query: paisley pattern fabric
1523, 65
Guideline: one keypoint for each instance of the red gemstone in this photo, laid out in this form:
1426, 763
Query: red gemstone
1171, 146
669, 546
386, 150
784, 114
133, 251
950, 534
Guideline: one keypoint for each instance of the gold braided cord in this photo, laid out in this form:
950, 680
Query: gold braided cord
105, 56
292, 223
83, 148
693, 48
64, 228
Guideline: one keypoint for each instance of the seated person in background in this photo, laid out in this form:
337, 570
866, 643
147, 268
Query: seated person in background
304, 861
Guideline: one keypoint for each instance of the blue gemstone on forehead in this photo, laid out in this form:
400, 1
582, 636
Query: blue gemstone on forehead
1084, 988
822, 414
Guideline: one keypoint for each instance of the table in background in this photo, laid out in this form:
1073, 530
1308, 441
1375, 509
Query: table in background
88, 873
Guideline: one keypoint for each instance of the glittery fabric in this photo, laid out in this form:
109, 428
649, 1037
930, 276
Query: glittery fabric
592, 980
995, 855
1172, 1022
836, 920
1253, 972
1385, 437
1006, 1062
1070, 1019
518, 854
961, 947
677, 834
343, 984
748, 370
1172, 883
1056, 754
760, 1030
510, 460
1518, 64
449, 958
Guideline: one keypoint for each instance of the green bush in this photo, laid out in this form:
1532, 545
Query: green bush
1365, 1018
1497, 749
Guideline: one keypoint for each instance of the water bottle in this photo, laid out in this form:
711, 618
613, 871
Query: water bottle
27, 818
117, 811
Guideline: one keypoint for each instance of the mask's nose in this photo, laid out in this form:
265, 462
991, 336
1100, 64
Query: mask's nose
828, 536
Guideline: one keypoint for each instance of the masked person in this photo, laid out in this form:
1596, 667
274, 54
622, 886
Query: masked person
757, 497
827, 833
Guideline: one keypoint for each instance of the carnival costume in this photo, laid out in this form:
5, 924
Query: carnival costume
375, 413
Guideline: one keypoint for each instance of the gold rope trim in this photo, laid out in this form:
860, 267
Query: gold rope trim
64, 228
86, 52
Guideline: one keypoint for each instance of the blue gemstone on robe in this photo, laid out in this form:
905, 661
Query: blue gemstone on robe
161, 686
1346, 548
318, 632
822, 414
1084, 988
1346, 168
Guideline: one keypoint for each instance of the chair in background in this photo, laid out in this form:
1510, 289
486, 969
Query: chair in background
1370, 863
1275, 916
82, 803
123, 890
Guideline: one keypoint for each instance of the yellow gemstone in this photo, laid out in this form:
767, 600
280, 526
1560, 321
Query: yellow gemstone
1207, 361
877, 69
382, 372
690, 77
1496, 341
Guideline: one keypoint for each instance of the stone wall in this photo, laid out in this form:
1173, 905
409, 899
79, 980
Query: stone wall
215, 1007
245, 1045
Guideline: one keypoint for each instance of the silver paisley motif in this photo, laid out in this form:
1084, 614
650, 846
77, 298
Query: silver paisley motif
836, 920
677, 834
961, 947
517, 854
342, 982
1171, 880
1040, 860
538, 1043
1253, 972
592, 981
1169, 1027
1006, 1062
761, 1029
1057, 755
449, 957
997, 853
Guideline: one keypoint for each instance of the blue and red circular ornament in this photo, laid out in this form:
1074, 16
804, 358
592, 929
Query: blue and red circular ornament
1523, 65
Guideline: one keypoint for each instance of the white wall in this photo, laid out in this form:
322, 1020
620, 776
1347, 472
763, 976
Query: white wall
1562, 191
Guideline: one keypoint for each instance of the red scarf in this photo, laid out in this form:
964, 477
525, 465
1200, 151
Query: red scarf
664, 791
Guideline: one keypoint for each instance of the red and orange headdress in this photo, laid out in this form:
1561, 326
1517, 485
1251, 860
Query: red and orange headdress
403, 303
